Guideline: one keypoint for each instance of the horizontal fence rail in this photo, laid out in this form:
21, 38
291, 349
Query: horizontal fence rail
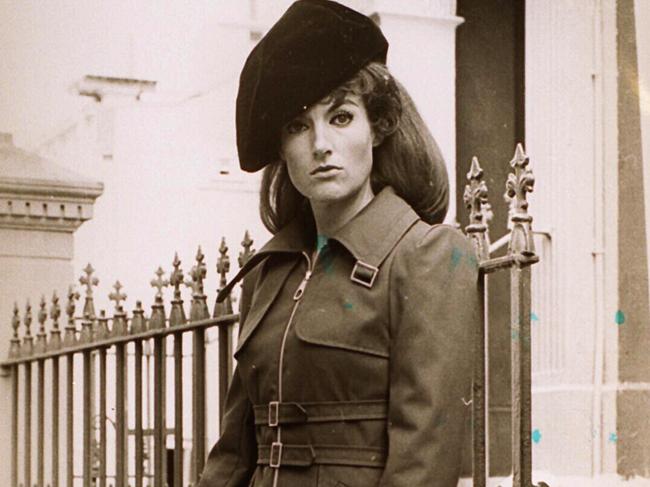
125, 432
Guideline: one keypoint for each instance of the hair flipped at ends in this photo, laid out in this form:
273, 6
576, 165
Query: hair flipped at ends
405, 157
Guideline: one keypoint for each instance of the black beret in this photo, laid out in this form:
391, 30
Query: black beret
315, 47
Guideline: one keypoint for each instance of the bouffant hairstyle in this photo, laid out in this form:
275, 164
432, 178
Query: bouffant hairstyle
406, 157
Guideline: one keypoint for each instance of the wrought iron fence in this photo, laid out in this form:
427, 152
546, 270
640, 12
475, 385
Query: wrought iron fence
100, 335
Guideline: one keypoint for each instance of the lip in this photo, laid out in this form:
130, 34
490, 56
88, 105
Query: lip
326, 169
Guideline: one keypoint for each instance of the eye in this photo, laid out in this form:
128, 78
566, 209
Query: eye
342, 118
295, 127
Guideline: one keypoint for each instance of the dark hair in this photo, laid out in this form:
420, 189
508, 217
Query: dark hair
407, 157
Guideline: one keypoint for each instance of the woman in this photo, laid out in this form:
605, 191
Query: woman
356, 317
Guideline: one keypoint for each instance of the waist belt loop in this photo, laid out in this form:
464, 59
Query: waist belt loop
274, 413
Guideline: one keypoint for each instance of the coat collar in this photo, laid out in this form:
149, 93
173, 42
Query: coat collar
369, 236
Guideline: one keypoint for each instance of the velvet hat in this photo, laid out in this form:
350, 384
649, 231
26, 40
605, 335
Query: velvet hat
315, 47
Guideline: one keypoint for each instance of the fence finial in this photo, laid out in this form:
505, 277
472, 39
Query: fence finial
88, 280
70, 336
223, 267
86, 335
41, 337
248, 251
177, 313
138, 322
157, 319
119, 316
199, 308
14, 347
475, 197
518, 185
159, 283
28, 340
102, 331
55, 333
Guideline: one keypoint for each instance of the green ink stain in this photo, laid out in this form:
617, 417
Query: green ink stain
321, 241
613, 437
471, 259
456, 255
620, 317
514, 334
533, 317
536, 436
347, 305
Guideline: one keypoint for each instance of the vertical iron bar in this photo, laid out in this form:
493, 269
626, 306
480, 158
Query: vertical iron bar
28, 424
225, 367
14, 425
139, 453
521, 380
159, 411
70, 420
102, 417
121, 453
87, 419
479, 432
198, 401
41, 424
178, 410
55, 421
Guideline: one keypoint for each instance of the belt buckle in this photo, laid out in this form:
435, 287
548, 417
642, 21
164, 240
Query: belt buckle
276, 451
274, 413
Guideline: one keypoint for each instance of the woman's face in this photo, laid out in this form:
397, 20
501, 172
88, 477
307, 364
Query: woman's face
328, 150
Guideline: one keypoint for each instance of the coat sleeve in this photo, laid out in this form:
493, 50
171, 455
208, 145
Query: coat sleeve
233, 458
434, 309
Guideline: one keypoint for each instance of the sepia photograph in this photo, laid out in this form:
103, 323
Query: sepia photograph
316, 243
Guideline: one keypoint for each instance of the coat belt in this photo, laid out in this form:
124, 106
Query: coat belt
279, 413
279, 454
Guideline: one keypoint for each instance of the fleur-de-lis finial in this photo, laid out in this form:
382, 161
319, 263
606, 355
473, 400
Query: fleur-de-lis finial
159, 283
248, 252
520, 182
197, 275
14, 348
475, 198
55, 311
223, 267
70, 329
518, 185
199, 309
176, 278
117, 296
28, 340
223, 263
41, 337
70, 307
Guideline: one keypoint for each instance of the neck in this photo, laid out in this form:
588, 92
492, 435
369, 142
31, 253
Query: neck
330, 216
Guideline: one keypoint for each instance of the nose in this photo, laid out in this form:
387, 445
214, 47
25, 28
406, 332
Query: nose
321, 144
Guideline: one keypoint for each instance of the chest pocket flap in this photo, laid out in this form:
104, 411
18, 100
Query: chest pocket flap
336, 312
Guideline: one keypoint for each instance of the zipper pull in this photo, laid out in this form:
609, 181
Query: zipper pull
301, 289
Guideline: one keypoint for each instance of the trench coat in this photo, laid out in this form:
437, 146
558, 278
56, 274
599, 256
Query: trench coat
353, 370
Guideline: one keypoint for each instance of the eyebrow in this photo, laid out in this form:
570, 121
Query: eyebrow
341, 101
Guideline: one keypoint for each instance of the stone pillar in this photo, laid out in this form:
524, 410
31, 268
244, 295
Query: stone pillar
41, 205
422, 54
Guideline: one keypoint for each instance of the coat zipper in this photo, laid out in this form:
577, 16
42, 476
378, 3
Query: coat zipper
297, 296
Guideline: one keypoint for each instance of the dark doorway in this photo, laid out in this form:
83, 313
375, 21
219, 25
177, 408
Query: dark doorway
489, 122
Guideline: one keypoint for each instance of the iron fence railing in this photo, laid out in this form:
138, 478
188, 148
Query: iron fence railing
100, 335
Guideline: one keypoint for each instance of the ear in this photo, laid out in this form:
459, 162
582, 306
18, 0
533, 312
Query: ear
377, 140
